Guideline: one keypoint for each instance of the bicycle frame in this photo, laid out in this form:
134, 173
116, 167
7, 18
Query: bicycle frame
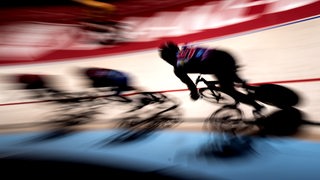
215, 95
210, 84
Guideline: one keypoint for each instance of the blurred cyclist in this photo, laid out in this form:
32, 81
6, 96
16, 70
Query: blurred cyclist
193, 59
97, 10
101, 18
104, 77
40, 84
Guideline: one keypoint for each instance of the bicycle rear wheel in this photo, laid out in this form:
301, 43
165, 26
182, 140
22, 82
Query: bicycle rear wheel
216, 96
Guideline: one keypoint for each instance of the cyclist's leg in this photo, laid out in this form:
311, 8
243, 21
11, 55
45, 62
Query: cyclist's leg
122, 85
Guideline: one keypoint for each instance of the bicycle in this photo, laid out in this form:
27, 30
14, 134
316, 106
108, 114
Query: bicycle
69, 109
222, 119
72, 109
78, 108
228, 121
153, 110
235, 132
231, 119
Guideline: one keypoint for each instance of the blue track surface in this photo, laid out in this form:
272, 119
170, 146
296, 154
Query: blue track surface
185, 154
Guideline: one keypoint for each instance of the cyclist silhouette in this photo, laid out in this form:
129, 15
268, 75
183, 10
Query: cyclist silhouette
40, 84
103, 77
195, 59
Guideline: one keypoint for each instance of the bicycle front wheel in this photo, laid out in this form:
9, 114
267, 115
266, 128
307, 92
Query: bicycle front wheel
219, 97
227, 119
153, 110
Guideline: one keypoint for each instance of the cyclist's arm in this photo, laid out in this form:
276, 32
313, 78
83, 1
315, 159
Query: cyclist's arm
185, 79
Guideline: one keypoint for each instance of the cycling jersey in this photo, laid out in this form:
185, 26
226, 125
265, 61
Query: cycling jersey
189, 54
107, 77
203, 60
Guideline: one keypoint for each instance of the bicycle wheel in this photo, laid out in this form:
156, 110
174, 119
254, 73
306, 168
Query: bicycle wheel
216, 96
152, 110
70, 119
156, 101
228, 119
159, 122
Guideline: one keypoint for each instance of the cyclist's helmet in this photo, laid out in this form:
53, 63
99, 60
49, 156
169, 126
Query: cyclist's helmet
28, 78
93, 72
168, 51
31, 81
90, 72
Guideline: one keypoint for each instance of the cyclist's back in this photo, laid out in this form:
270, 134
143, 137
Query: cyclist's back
205, 60
104, 77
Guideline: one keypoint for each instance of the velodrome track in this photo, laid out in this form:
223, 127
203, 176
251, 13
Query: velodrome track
286, 54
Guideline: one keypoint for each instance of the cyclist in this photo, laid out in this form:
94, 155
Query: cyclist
32, 81
196, 59
97, 10
101, 17
39, 83
103, 77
